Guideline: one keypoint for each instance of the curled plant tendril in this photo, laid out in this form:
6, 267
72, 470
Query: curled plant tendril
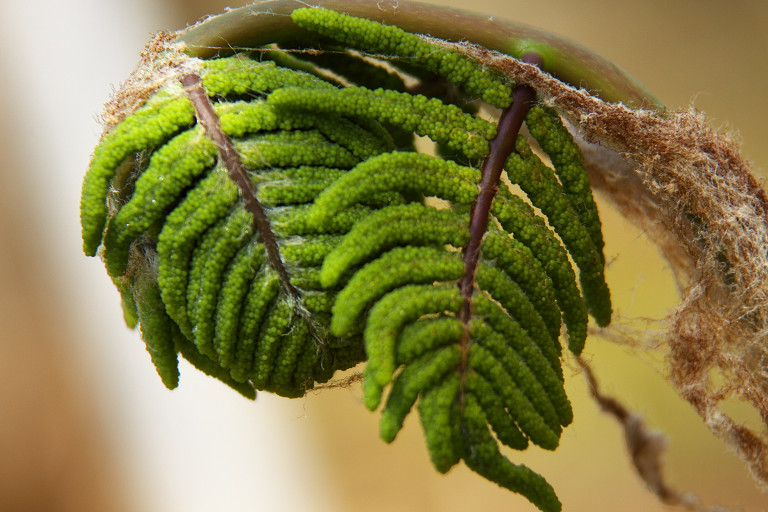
273, 227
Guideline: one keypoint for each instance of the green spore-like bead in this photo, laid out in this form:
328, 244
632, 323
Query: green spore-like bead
520, 408
508, 294
398, 267
205, 205
298, 222
296, 186
553, 137
410, 224
540, 184
499, 418
263, 292
518, 261
236, 280
397, 172
481, 454
276, 325
495, 318
518, 218
234, 234
417, 376
306, 279
526, 379
296, 340
386, 319
425, 335
438, 409
236, 76
150, 126
319, 303
374, 37
156, 330
172, 169
292, 149
431, 118
307, 252
241, 118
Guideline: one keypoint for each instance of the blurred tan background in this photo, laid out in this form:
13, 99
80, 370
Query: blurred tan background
86, 425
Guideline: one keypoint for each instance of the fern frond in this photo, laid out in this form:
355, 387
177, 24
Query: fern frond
273, 227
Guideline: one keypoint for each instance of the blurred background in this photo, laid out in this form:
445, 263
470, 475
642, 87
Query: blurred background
85, 423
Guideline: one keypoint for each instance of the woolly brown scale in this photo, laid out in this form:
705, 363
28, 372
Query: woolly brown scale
289, 239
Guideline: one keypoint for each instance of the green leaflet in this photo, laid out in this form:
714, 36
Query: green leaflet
373, 37
157, 120
368, 239
426, 117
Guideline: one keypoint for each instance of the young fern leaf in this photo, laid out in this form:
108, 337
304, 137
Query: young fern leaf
260, 221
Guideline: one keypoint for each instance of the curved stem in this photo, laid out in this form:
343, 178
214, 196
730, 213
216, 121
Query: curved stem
269, 21
208, 118
510, 122
501, 147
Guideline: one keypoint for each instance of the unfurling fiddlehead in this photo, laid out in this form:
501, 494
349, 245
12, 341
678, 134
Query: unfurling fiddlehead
273, 226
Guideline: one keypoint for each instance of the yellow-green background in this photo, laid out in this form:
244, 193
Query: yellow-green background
86, 425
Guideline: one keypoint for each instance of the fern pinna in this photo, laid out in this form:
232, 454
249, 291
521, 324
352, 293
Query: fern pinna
266, 216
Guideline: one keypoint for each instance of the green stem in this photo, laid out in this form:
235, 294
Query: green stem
269, 21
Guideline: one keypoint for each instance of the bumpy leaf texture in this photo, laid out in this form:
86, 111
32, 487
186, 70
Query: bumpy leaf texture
369, 236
